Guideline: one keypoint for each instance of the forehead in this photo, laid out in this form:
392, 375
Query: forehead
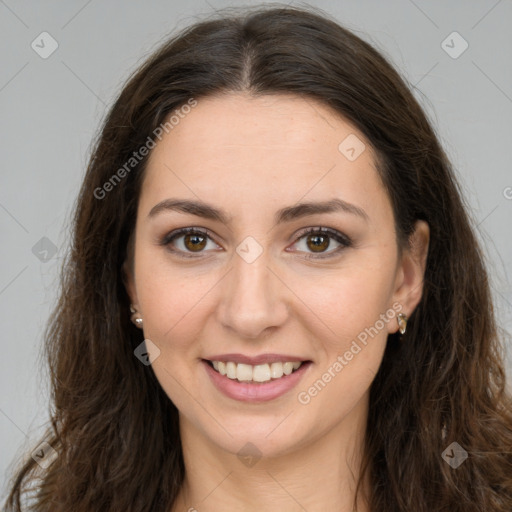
278, 123
265, 151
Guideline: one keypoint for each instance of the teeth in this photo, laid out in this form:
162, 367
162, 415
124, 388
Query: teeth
231, 370
287, 368
276, 370
257, 373
244, 372
261, 373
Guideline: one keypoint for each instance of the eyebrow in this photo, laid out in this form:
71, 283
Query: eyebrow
286, 214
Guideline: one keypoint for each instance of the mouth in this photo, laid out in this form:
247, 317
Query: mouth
255, 374
256, 383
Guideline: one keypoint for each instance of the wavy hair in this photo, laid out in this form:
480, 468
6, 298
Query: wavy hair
116, 431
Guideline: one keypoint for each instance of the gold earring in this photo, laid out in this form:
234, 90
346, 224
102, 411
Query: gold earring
402, 322
137, 320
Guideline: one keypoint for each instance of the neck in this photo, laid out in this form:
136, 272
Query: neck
320, 474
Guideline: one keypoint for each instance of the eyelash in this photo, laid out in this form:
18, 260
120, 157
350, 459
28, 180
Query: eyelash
342, 239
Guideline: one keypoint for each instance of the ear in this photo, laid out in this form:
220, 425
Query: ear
411, 271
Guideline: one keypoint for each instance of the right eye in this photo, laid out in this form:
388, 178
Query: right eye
190, 241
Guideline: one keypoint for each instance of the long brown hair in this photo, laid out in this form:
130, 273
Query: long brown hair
116, 431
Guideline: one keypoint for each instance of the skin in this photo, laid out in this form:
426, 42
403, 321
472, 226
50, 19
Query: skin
252, 156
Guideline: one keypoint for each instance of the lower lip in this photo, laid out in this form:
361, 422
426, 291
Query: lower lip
257, 391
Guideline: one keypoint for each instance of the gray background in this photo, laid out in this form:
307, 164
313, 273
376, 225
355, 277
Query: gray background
52, 107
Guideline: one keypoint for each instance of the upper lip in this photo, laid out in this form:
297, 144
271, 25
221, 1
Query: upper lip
255, 360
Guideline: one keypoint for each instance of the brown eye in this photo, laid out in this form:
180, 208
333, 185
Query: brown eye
319, 240
317, 243
187, 241
194, 242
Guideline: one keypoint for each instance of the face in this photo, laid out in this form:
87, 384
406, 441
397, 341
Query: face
260, 279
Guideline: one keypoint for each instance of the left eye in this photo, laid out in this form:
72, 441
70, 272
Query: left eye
318, 240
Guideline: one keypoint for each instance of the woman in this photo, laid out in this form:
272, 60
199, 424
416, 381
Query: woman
274, 299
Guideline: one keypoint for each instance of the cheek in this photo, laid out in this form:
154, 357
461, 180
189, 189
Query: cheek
349, 300
354, 305
356, 311
166, 289
172, 307
173, 303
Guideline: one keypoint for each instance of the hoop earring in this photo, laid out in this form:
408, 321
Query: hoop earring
137, 320
402, 322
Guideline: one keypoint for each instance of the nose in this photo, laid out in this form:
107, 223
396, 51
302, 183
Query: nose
254, 300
